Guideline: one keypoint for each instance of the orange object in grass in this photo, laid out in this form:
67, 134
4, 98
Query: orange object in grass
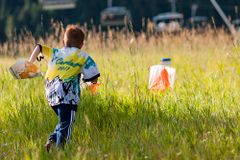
93, 87
161, 82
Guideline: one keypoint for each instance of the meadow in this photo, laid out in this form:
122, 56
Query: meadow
198, 119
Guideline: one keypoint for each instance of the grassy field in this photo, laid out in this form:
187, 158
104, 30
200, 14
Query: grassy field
198, 119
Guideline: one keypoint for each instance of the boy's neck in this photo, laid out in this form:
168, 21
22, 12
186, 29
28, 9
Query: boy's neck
72, 47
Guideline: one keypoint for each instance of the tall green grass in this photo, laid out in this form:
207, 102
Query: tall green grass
198, 119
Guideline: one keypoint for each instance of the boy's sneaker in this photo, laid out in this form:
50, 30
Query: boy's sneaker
48, 145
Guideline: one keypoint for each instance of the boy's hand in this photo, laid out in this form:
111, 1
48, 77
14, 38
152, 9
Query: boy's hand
94, 81
92, 85
40, 57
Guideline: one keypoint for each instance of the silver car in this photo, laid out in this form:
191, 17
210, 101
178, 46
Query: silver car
115, 16
168, 22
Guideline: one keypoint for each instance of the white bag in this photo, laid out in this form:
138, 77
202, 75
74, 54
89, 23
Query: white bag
161, 77
23, 69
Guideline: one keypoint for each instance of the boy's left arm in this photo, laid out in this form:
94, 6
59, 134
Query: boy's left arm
90, 71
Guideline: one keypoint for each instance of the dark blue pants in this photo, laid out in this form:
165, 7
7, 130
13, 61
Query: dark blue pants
63, 130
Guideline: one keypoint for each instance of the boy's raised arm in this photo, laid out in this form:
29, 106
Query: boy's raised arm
45, 50
35, 53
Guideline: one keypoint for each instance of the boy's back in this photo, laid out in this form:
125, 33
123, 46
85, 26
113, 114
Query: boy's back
64, 73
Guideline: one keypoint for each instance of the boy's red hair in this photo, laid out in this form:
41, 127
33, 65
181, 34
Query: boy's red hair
73, 36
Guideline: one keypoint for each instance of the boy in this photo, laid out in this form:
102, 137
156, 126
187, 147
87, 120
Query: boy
62, 80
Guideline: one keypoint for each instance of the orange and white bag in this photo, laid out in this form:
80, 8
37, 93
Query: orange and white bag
23, 69
161, 78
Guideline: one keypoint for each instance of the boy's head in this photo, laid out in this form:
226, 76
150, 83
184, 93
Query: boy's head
73, 37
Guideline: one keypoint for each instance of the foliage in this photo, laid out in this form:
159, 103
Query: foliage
16, 15
199, 119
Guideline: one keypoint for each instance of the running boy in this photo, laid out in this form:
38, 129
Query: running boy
62, 80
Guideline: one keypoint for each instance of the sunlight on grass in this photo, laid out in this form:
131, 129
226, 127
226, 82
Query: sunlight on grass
199, 119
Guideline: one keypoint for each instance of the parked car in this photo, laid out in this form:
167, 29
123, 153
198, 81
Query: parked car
115, 17
198, 23
168, 22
